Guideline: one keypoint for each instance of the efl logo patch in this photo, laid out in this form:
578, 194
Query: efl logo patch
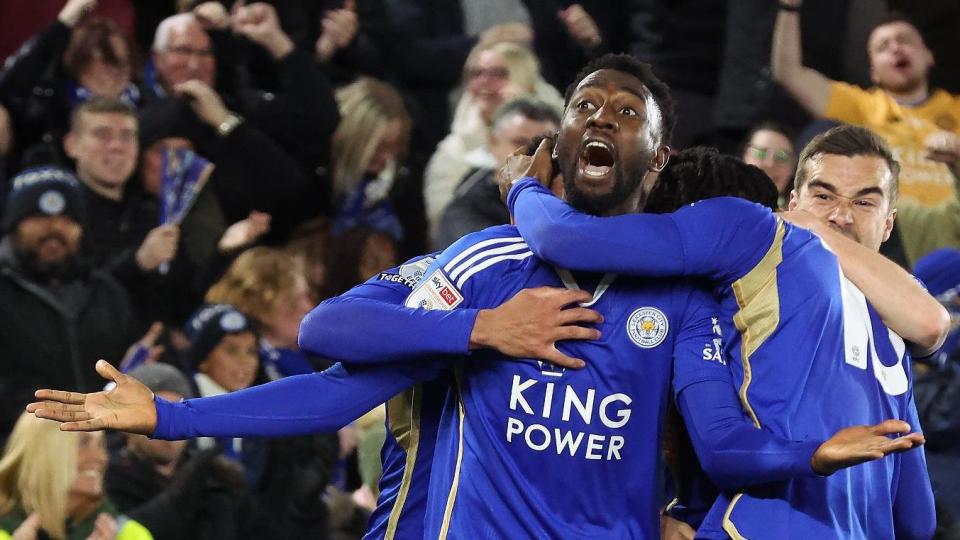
435, 292
647, 327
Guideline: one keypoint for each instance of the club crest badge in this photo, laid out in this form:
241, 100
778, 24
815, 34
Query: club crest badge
52, 203
647, 327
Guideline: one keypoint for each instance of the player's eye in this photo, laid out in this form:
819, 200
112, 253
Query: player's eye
585, 105
823, 197
629, 111
865, 203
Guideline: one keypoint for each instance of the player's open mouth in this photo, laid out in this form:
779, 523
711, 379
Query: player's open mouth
902, 64
597, 159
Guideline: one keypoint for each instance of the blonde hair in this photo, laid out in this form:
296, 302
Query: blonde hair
38, 468
256, 280
366, 107
522, 65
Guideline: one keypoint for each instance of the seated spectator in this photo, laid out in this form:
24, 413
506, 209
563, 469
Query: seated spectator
51, 486
476, 203
74, 59
270, 287
769, 146
368, 147
493, 74
58, 315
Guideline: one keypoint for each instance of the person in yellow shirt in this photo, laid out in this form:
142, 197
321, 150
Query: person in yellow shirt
922, 126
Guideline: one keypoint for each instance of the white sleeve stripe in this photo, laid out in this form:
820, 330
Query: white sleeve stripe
479, 245
490, 262
522, 246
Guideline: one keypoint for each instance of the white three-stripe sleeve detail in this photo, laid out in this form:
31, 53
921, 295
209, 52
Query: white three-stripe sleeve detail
490, 262
465, 265
478, 246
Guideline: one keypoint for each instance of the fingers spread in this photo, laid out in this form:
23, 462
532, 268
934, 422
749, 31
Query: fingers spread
556, 357
577, 332
581, 316
107, 371
95, 424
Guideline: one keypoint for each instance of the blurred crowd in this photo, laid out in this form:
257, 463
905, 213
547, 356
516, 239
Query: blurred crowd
181, 182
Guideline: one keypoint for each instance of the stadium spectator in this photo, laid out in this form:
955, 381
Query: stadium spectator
368, 148
919, 123
493, 74
309, 243
476, 202
769, 147
72, 60
59, 316
51, 486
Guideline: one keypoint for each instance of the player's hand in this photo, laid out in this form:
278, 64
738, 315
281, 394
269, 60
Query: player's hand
74, 10
801, 218
860, 444
128, 406
204, 101
520, 165
530, 324
160, 246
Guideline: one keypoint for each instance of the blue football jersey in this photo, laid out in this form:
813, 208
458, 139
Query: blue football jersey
810, 356
529, 450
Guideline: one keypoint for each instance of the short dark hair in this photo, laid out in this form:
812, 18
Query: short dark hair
630, 65
101, 105
700, 172
894, 16
849, 141
530, 108
765, 125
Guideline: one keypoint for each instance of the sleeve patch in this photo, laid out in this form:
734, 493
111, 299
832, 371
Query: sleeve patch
436, 292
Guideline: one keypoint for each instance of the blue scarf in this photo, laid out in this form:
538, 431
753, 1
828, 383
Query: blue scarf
77, 94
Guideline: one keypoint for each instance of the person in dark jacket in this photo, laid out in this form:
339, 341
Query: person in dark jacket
476, 203
58, 316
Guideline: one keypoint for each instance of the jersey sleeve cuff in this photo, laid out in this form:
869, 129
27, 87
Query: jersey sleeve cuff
527, 182
170, 420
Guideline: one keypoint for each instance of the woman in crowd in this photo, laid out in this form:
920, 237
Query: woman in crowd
493, 74
51, 483
368, 148
769, 146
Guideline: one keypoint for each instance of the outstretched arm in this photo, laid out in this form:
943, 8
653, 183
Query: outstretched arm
903, 304
808, 86
295, 405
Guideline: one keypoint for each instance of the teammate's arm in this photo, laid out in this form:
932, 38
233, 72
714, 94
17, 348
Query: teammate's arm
903, 304
808, 86
370, 324
731, 449
295, 405
720, 239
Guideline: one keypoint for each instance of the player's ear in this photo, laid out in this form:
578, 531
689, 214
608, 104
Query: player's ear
660, 159
792, 204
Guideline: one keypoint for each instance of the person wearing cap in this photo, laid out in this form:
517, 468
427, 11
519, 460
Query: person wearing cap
57, 316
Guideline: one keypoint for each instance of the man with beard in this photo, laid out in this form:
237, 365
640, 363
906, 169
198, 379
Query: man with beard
57, 317
524, 448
